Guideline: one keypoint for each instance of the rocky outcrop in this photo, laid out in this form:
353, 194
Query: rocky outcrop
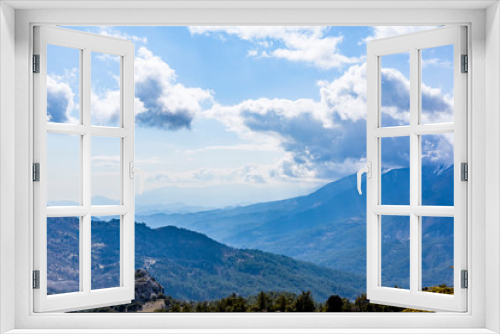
146, 287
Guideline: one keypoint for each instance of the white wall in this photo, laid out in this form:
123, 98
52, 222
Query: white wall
7, 190
492, 167
490, 181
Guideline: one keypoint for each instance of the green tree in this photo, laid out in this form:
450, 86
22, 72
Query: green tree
187, 308
334, 304
263, 302
281, 304
175, 308
305, 303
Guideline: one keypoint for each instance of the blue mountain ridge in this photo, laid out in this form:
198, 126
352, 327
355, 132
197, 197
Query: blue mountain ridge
189, 265
328, 227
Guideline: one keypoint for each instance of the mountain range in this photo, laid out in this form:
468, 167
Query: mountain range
328, 227
315, 242
189, 265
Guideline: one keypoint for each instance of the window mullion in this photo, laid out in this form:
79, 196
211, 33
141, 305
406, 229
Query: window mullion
414, 171
85, 235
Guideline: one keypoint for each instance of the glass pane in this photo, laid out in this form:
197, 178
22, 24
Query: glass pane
395, 89
63, 169
63, 84
105, 96
395, 170
395, 239
105, 252
437, 170
63, 250
437, 84
106, 166
437, 254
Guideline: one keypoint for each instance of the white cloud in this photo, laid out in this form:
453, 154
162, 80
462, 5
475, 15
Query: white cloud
166, 104
437, 149
326, 138
257, 173
442, 63
60, 100
112, 32
239, 147
105, 107
390, 31
296, 44
346, 96
437, 107
252, 53
106, 160
253, 174
151, 67
160, 100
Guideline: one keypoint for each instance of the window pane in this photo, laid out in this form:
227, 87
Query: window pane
63, 169
105, 95
395, 170
437, 254
437, 170
63, 84
437, 84
395, 89
106, 166
63, 250
395, 239
105, 252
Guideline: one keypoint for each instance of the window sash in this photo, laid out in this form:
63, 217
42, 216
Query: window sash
86, 298
414, 298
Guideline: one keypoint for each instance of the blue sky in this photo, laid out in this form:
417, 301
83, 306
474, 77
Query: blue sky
237, 115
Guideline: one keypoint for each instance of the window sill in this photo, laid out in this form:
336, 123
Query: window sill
251, 331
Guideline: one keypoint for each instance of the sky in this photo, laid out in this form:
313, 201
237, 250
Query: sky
236, 115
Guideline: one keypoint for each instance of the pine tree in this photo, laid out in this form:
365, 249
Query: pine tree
281, 304
305, 303
262, 302
334, 304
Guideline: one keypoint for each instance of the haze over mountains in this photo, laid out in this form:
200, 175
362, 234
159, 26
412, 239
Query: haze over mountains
328, 227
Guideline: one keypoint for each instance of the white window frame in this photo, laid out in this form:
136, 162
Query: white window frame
86, 297
414, 297
483, 212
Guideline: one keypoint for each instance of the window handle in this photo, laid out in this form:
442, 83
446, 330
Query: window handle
368, 171
132, 171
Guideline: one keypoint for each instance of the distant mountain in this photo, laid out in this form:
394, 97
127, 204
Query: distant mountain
96, 200
188, 265
141, 207
328, 227
216, 196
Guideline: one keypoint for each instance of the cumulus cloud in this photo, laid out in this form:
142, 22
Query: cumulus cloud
327, 138
166, 104
437, 107
320, 139
106, 107
297, 44
314, 146
60, 100
346, 96
160, 101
